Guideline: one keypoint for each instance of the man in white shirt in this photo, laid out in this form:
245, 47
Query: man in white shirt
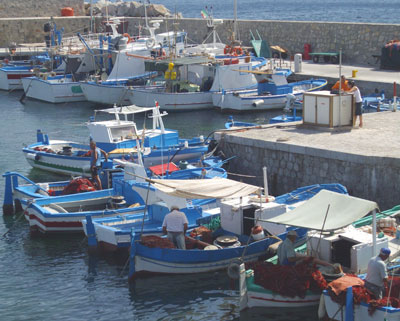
175, 225
376, 273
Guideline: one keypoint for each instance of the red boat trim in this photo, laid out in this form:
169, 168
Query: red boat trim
60, 224
18, 76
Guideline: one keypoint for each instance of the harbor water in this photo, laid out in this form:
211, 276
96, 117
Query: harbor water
54, 278
367, 11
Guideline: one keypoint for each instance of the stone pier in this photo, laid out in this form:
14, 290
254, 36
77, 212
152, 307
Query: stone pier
365, 160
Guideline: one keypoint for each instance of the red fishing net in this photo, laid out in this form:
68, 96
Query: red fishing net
361, 294
204, 233
289, 281
78, 185
156, 241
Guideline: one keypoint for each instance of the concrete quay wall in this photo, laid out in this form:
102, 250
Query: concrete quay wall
292, 166
358, 41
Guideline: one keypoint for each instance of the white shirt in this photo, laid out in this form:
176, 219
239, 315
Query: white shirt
376, 271
285, 251
357, 95
174, 221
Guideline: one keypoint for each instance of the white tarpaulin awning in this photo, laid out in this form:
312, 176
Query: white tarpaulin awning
204, 188
343, 211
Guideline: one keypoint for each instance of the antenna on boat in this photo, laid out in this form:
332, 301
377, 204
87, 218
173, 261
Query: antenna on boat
235, 30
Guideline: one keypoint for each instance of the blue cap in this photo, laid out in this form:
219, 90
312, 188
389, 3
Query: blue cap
385, 251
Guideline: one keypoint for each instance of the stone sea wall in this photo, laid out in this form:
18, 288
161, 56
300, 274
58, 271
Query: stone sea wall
358, 41
290, 167
38, 8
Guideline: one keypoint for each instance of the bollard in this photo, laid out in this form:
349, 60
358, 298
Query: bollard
394, 96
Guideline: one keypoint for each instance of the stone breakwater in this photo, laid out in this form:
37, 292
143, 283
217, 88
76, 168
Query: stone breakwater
38, 8
358, 41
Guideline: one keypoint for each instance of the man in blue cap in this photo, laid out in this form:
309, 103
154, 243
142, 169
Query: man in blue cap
377, 274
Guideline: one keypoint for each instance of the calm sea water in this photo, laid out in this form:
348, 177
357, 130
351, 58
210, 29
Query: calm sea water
371, 11
54, 278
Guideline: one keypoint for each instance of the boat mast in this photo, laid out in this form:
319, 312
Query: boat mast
235, 20
91, 16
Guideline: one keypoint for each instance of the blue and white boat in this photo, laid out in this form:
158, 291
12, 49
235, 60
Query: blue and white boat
270, 94
64, 213
11, 75
116, 137
234, 240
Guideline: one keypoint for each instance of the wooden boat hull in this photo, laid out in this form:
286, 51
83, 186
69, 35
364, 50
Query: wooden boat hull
54, 90
106, 94
172, 101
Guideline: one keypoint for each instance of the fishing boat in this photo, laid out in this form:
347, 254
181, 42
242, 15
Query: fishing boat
333, 239
191, 81
271, 93
11, 75
128, 67
113, 234
118, 138
53, 89
64, 213
239, 213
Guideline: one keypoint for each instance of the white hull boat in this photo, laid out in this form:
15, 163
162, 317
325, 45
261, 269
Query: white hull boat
53, 89
360, 311
171, 101
191, 82
105, 94
250, 100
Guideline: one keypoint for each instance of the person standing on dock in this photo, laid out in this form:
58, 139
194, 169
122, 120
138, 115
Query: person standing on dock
377, 274
175, 225
357, 96
344, 86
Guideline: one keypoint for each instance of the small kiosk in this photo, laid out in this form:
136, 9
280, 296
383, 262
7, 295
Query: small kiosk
324, 109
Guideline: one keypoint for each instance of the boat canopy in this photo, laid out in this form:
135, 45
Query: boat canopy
125, 110
326, 211
204, 188
162, 65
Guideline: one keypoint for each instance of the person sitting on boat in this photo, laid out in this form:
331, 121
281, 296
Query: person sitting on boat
95, 162
344, 86
288, 256
376, 273
175, 225
286, 253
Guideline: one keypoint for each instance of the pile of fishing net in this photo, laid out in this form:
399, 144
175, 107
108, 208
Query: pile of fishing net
78, 185
337, 291
204, 233
157, 241
289, 281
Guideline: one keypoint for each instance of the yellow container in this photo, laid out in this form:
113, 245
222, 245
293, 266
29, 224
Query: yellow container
354, 73
167, 75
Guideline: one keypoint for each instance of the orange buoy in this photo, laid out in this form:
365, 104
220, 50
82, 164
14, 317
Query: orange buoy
67, 12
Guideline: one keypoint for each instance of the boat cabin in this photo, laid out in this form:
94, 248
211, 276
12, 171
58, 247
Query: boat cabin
117, 133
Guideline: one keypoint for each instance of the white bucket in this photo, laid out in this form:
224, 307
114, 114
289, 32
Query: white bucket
259, 236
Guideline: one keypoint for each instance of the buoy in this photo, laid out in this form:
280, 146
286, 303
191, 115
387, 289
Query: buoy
67, 12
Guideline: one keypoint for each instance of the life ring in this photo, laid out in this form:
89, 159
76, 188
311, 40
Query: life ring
126, 35
150, 43
227, 50
238, 51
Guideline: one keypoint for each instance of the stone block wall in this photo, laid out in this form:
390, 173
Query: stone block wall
38, 8
290, 167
